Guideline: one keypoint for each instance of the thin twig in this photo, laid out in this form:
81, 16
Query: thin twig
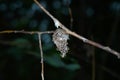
70, 13
25, 32
106, 48
56, 21
71, 17
40, 44
41, 53
93, 65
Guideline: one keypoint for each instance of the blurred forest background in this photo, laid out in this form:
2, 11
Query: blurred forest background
98, 20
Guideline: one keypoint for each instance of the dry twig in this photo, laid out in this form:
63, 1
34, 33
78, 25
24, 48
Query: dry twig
25, 32
85, 40
41, 52
40, 44
70, 13
59, 24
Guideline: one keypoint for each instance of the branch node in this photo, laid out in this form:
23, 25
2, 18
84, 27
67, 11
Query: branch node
57, 23
107, 48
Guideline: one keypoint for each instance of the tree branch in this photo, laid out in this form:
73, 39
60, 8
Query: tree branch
85, 40
25, 32
41, 52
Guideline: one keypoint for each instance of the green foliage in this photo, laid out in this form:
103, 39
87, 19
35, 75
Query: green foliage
20, 48
56, 61
22, 53
22, 43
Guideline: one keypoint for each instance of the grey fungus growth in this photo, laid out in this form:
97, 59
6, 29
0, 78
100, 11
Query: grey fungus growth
60, 38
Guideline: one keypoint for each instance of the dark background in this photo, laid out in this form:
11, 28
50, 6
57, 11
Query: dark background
97, 20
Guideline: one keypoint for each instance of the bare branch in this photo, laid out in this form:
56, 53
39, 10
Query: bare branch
59, 24
25, 32
41, 53
85, 40
70, 13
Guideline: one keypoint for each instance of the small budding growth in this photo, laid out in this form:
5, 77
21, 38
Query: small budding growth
60, 38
